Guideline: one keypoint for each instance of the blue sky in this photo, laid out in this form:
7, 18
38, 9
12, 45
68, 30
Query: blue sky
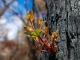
18, 7
28, 3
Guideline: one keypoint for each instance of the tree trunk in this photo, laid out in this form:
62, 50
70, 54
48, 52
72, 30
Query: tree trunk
64, 15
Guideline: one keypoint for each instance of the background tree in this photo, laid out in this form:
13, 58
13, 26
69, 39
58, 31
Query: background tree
64, 15
2, 10
18, 46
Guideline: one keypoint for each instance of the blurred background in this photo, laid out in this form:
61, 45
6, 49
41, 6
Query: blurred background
14, 44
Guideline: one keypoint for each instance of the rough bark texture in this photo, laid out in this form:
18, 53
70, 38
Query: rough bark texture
64, 15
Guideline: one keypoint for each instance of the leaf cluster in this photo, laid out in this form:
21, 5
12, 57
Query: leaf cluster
47, 41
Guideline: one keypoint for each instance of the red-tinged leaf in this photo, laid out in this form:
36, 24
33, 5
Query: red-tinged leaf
55, 46
46, 36
30, 15
57, 31
45, 30
30, 28
54, 35
40, 21
54, 50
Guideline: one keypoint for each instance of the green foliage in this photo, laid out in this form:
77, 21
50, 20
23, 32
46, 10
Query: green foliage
27, 33
35, 33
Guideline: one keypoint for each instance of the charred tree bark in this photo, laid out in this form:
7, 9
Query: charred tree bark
64, 15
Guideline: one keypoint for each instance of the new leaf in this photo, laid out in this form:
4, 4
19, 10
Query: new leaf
35, 33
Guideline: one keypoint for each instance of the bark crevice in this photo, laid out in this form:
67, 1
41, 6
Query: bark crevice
64, 16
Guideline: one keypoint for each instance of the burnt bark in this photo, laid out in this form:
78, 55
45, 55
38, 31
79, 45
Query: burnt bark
64, 15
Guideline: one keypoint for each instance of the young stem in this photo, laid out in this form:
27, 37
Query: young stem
44, 43
52, 45
39, 42
44, 50
32, 24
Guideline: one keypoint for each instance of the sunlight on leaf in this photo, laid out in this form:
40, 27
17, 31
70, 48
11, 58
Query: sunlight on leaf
36, 38
40, 21
30, 15
54, 35
35, 33
55, 46
57, 31
30, 28
46, 36
45, 30
50, 43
